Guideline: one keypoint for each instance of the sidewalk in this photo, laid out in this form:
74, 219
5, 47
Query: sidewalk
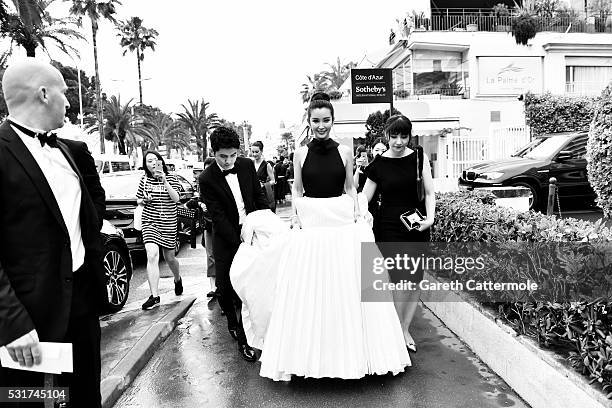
129, 339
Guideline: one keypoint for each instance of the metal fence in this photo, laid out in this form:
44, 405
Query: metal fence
466, 151
480, 22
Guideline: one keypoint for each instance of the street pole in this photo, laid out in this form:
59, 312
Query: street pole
391, 104
78, 68
80, 96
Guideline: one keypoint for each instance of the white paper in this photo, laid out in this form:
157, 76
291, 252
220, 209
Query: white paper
56, 359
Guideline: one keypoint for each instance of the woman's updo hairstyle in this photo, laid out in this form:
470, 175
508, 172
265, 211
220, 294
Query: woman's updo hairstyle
258, 144
398, 125
320, 100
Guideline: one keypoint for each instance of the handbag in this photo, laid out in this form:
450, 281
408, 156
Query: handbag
411, 218
139, 210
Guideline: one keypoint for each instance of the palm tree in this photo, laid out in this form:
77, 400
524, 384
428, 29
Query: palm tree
136, 37
317, 82
29, 12
30, 36
124, 127
197, 123
171, 133
96, 10
338, 74
287, 138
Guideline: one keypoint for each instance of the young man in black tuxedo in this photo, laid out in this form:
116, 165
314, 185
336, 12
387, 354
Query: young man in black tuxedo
52, 281
230, 190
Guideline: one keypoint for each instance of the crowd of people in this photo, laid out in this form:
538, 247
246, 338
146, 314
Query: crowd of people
311, 322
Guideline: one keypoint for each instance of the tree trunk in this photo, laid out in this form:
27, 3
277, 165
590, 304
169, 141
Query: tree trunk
139, 75
30, 50
199, 145
121, 144
98, 92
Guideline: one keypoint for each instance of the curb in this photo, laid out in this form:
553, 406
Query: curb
542, 378
122, 375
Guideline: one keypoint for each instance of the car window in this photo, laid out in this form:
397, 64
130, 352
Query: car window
120, 166
106, 168
577, 147
546, 148
122, 186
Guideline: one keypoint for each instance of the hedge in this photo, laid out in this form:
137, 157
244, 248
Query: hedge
599, 152
580, 330
547, 113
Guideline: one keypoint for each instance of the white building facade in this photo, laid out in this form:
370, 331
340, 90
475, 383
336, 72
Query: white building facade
461, 88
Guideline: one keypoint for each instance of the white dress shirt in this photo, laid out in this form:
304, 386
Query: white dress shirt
234, 185
65, 186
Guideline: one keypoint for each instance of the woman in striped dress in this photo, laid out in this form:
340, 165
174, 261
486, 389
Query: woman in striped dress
158, 193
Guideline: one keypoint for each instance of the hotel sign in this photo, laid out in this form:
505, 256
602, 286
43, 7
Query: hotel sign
509, 75
372, 85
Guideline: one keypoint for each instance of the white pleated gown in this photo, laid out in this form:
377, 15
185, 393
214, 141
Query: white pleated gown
301, 292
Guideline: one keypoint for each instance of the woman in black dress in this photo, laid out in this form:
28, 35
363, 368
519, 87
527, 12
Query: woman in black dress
361, 162
265, 173
394, 175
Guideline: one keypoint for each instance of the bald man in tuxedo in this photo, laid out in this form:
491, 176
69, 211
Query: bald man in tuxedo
52, 282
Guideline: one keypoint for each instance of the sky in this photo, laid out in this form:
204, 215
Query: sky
248, 59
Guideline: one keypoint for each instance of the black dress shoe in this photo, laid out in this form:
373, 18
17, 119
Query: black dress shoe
247, 352
233, 332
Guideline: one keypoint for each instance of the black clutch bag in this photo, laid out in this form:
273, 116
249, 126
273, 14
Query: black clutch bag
412, 219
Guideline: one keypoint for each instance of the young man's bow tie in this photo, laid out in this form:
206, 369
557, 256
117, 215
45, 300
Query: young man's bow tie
44, 138
233, 170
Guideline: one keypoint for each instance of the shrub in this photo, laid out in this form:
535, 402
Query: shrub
547, 113
580, 330
524, 28
599, 151
401, 93
334, 95
375, 125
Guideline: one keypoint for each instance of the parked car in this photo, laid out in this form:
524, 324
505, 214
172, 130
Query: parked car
121, 191
559, 155
117, 265
113, 163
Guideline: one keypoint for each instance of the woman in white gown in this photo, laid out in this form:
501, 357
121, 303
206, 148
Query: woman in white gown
301, 288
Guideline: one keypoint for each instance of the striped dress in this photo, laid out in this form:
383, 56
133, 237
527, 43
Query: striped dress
159, 218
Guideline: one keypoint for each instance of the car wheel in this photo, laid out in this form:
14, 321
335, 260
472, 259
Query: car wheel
534, 200
117, 278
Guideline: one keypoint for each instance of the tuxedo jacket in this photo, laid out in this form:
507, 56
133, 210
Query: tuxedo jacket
36, 277
216, 194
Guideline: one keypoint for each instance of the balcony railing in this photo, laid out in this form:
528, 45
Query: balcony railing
480, 22
433, 93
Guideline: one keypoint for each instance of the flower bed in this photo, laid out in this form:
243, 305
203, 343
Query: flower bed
580, 330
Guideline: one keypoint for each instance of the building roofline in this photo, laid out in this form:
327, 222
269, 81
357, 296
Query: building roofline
564, 47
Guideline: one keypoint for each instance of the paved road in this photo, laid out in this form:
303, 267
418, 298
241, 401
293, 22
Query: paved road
198, 366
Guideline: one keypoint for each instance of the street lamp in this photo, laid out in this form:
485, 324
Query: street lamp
80, 91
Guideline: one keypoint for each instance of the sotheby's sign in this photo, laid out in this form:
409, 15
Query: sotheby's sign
372, 85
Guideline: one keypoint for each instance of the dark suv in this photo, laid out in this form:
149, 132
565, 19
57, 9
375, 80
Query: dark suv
559, 155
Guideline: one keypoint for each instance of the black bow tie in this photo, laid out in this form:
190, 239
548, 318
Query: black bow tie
47, 137
233, 170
